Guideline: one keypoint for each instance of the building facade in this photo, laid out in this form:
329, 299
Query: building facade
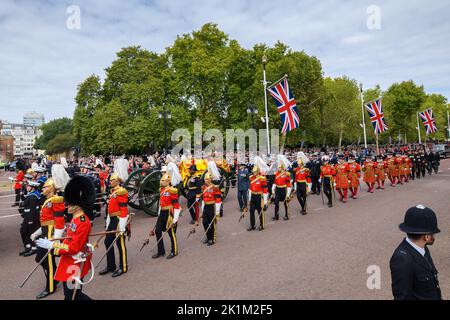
24, 138
33, 119
6, 148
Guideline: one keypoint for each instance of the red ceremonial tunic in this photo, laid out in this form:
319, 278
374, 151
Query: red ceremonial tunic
354, 173
282, 179
302, 175
78, 236
400, 167
405, 165
118, 202
392, 167
342, 176
327, 171
380, 170
258, 184
103, 175
168, 199
52, 212
369, 172
19, 180
211, 194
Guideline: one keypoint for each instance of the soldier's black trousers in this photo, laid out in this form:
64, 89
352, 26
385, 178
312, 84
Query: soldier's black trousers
209, 212
242, 198
301, 194
27, 228
430, 168
328, 189
109, 239
49, 263
280, 196
436, 168
17, 192
164, 221
417, 170
256, 204
412, 174
422, 169
315, 184
194, 211
79, 295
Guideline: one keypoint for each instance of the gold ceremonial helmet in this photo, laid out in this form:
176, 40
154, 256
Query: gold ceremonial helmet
255, 169
208, 178
114, 177
49, 184
300, 162
165, 178
30, 171
281, 166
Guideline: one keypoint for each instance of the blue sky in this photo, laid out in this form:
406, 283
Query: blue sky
42, 61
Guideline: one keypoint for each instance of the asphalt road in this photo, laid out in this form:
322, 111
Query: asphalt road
323, 255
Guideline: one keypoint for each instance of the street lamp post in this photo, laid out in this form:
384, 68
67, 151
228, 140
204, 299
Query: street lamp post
165, 114
251, 110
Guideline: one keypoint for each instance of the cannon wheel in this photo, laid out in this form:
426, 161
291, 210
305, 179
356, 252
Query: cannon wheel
149, 193
225, 182
133, 184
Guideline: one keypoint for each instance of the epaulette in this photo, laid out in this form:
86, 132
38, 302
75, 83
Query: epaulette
121, 191
173, 190
57, 199
263, 178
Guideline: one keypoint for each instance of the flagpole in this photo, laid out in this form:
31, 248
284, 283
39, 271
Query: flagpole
448, 124
363, 118
378, 150
264, 61
418, 128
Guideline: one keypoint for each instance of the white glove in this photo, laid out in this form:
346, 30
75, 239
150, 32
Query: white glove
265, 197
273, 188
122, 224
289, 189
217, 209
44, 243
36, 234
249, 195
203, 206
58, 233
309, 187
79, 257
176, 215
108, 221
320, 180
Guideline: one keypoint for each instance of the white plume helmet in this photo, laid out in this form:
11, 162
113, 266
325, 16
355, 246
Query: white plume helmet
169, 159
183, 157
64, 162
213, 171
121, 169
281, 159
60, 176
303, 157
34, 166
174, 173
261, 165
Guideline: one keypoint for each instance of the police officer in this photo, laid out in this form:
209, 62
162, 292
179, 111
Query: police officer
194, 186
243, 186
314, 167
414, 276
30, 217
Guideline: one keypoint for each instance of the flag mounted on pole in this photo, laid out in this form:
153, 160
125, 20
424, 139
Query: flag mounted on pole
375, 110
428, 121
287, 108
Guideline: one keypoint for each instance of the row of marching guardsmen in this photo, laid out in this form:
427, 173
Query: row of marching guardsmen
53, 200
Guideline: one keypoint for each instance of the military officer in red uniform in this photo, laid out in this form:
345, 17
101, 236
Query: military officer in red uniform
75, 261
327, 174
258, 197
18, 181
282, 190
117, 219
169, 211
212, 200
302, 181
369, 174
380, 172
341, 178
354, 174
52, 225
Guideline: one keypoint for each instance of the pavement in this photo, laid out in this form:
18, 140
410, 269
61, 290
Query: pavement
324, 255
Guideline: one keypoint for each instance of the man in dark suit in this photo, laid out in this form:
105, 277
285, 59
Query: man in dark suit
243, 183
414, 276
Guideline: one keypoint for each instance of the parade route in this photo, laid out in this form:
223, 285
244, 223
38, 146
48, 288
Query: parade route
323, 255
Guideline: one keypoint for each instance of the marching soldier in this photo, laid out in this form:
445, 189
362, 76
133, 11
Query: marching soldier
212, 200
354, 174
413, 165
30, 218
302, 179
423, 163
392, 169
380, 172
243, 184
401, 168
51, 224
117, 219
257, 194
327, 174
282, 187
75, 261
369, 174
194, 186
314, 167
18, 181
169, 211
342, 178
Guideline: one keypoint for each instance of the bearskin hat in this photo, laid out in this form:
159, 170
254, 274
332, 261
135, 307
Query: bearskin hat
80, 191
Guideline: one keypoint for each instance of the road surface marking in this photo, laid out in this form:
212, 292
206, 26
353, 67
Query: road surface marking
10, 216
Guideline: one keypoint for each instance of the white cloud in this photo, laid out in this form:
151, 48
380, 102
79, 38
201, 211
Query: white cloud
42, 62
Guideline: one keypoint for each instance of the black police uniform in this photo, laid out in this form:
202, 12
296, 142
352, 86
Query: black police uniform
194, 186
243, 180
314, 167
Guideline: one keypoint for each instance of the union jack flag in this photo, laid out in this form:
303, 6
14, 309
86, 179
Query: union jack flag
428, 121
287, 108
375, 110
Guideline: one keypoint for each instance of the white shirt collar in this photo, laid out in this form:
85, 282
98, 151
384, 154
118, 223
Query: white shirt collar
419, 249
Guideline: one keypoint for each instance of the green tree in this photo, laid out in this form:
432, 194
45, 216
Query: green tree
51, 129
